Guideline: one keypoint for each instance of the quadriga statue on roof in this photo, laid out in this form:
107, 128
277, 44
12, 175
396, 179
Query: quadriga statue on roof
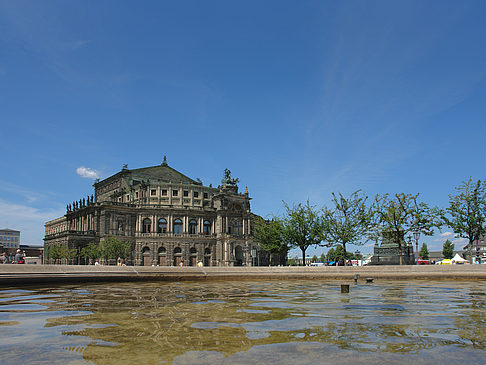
228, 180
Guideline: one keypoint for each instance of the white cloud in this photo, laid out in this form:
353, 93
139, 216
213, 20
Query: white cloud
87, 172
445, 236
14, 189
28, 220
79, 44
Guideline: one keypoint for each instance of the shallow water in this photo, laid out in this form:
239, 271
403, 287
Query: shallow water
270, 322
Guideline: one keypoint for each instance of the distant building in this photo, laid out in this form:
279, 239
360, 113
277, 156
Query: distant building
167, 217
9, 238
478, 248
437, 255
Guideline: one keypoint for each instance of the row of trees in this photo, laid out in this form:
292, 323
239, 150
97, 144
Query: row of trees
334, 254
447, 251
108, 249
356, 219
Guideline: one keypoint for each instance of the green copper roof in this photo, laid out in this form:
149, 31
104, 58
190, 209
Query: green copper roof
164, 173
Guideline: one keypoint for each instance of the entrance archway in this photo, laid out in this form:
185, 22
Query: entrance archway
207, 257
177, 256
162, 256
192, 256
238, 256
146, 257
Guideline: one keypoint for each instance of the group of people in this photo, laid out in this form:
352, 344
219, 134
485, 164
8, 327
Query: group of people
19, 258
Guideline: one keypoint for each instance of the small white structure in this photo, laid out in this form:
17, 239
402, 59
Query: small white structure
457, 259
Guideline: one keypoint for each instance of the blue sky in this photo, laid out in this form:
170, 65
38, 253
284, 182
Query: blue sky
297, 98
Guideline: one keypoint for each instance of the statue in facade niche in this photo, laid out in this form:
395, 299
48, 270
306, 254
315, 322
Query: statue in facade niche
84, 202
228, 180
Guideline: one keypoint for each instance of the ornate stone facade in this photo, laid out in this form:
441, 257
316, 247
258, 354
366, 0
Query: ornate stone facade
165, 215
388, 254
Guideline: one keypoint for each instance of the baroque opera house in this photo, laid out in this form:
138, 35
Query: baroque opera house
167, 217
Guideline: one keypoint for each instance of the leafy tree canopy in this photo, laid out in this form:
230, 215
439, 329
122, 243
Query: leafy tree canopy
113, 248
269, 235
349, 220
448, 250
424, 252
303, 227
466, 214
400, 214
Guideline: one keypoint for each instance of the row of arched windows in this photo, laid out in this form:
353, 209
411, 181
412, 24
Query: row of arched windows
176, 226
177, 251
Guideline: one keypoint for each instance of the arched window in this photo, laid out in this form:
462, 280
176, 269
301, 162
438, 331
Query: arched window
207, 227
192, 226
207, 251
162, 251
177, 251
147, 225
235, 227
177, 226
162, 226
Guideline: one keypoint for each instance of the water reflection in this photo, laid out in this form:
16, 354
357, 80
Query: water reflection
244, 322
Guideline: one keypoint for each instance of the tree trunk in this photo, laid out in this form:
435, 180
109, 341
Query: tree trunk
303, 255
471, 242
345, 258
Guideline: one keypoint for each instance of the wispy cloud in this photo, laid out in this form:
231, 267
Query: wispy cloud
79, 44
14, 189
88, 173
28, 220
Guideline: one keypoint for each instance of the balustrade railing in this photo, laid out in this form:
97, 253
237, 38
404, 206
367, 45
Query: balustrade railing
171, 234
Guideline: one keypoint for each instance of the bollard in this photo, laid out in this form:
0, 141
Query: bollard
369, 280
344, 288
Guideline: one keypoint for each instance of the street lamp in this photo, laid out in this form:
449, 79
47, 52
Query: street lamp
416, 236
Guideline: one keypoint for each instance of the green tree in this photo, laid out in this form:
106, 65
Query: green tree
69, 254
293, 261
92, 251
314, 258
322, 258
269, 234
340, 253
424, 252
303, 227
397, 215
466, 214
448, 250
55, 253
112, 248
331, 255
349, 220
